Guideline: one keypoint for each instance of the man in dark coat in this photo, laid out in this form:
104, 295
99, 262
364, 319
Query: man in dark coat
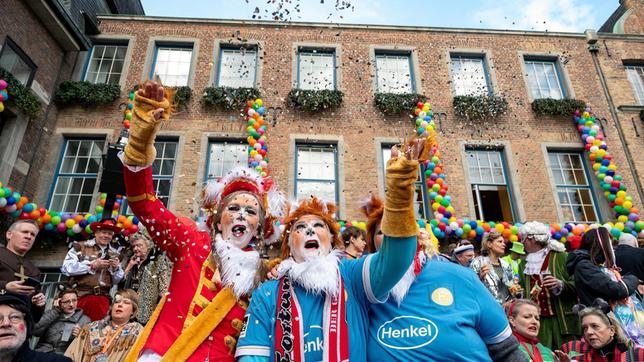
629, 257
18, 274
15, 329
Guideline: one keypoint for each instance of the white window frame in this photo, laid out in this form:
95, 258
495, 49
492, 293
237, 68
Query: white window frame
574, 186
463, 86
247, 55
326, 147
383, 86
234, 152
94, 78
173, 48
635, 74
532, 75
306, 69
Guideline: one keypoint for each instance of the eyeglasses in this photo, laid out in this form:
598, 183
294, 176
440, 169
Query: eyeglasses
69, 301
13, 318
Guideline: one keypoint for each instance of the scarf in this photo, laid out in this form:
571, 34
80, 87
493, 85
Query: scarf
535, 355
238, 267
289, 331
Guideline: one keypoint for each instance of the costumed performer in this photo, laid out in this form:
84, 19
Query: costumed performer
202, 314
437, 312
317, 310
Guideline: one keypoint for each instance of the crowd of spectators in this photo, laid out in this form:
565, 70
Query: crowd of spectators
557, 301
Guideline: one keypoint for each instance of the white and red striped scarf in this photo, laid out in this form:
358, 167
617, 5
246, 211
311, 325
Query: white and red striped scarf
289, 331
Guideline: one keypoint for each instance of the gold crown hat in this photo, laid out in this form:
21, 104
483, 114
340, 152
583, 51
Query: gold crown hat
247, 180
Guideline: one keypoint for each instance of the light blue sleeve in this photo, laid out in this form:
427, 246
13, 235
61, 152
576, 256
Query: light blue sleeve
385, 268
255, 339
253, 359
492, 324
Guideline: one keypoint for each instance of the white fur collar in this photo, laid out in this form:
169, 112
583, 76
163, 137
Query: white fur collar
317, 274
399, 291
238, 267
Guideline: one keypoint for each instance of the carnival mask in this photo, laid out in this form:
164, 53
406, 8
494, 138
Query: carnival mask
310, 236
240, 220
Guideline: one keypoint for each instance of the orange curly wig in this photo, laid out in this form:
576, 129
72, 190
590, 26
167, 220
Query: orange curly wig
373, 208
312, 206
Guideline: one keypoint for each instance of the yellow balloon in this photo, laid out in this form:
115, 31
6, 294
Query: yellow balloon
259, 102
1, 106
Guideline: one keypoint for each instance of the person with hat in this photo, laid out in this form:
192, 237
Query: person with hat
94, 267
464, 253
16, 326
111, 338
316, 309
443, 300
515, 260
546, 281
216, 267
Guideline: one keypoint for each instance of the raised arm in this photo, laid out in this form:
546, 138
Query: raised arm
152, 106
399, 226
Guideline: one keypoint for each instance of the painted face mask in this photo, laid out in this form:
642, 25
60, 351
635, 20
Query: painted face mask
310, 237
240, 220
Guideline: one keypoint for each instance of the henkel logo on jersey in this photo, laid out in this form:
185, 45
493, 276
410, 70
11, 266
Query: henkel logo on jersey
407, 332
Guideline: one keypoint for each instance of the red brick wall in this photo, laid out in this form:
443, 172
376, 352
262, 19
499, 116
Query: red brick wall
359, 122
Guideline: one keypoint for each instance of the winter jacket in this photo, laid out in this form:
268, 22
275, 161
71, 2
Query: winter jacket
50, 330
25, 354
592, 282
631, 260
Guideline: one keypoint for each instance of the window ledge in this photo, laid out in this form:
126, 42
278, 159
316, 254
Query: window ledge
631, 108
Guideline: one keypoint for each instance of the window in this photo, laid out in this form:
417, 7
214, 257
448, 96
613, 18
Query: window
420, 195
106, 64
75, 179
162, 172
469, 76
490, 186
636, 77
14, 60
394, 73
316, 69
172, 65
51, 279
574, 192
316, 172
544, 79
237, 67
224, 156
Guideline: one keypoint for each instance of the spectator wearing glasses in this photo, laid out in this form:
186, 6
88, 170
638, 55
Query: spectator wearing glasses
16, 326
60, 325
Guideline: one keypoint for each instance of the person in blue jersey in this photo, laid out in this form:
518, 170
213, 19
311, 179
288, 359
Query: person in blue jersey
317, 309
437, 312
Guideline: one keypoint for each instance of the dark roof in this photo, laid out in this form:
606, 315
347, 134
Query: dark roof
612, 20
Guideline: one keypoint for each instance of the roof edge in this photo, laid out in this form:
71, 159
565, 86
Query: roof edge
336, 25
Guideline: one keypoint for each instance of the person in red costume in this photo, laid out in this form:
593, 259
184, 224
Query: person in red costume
214, 270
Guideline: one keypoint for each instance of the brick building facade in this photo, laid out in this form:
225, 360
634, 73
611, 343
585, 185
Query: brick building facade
518, 165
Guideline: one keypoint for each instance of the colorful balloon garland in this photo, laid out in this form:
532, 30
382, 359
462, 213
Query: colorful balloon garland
445, 224
4, 94
257, 141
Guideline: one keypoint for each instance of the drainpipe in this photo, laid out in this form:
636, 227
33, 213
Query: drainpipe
593, 48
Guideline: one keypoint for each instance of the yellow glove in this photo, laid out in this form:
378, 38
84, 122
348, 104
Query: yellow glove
140, 150
398, 219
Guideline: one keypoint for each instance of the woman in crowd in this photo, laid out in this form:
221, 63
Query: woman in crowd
495, 273
523, 315
110, 339
60, 325
603, 339
590, 264
148, 274
354, 243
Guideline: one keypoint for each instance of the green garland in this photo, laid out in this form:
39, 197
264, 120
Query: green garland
229, 98
76, 92
557, 107
314, 100
394, 103
479, 108
21, 96
182, 96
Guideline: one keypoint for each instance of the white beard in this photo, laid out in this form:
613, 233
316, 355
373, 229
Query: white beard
399, 291
238, 267
317, 274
